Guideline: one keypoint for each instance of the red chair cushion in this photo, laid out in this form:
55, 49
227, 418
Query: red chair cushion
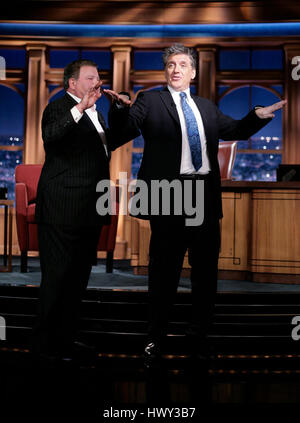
31, 213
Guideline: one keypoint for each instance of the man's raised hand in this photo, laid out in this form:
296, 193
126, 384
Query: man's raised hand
122, 99
90, 98
268, 112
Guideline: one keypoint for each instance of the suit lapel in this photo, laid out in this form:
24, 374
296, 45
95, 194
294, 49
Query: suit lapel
102, 121
169, 103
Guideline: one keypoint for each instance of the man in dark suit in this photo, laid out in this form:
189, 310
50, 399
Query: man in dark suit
181, 133
76, 143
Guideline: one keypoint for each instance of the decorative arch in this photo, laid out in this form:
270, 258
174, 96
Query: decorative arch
236, 87
147, 87
259, 156
13, 87
55, 91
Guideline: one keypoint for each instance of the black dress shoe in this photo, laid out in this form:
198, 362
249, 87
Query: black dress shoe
152, 355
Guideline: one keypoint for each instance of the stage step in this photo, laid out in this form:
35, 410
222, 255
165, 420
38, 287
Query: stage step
253, 327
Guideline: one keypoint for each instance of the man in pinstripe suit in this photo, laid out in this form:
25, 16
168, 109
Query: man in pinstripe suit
76, 143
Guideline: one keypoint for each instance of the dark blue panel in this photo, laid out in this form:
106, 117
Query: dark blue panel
21, 87
137, 88
234, 59
158, 88
103, 104
52, 87
57, 95
236, 103
150, 60
11, 113
267, 59
222, 88
14, 58
278, 88
200, 30
135, 165
256, 167
61, 58
102, 58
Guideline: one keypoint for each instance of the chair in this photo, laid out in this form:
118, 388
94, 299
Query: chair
226, 158
27, 177
107, 240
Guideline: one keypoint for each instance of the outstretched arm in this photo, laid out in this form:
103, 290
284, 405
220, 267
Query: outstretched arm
231, 129
268, 112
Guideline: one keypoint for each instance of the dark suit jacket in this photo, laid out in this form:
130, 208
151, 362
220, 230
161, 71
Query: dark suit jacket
75, 162
154, 114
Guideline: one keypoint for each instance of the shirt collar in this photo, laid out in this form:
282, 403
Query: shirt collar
173, 92
93, 108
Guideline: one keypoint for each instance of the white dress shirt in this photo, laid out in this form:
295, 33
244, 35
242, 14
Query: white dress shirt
93, 115
186, 166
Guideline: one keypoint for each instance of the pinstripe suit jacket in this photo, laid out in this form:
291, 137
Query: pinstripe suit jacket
75, 161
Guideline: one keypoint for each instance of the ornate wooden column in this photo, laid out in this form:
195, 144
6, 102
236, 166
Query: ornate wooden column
35, 103
207, 72
121, 158
291, 111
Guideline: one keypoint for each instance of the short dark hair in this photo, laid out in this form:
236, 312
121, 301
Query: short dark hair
179, 48
72, 70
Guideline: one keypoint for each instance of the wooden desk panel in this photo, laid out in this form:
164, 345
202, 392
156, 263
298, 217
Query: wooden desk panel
276, 231
235, 231
260, 233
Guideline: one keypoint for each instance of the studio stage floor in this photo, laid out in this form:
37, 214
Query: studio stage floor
123, 278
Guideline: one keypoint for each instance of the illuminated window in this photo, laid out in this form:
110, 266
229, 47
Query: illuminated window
11, 136
258, 157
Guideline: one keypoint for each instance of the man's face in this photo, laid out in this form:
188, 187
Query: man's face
88, 78
179, 72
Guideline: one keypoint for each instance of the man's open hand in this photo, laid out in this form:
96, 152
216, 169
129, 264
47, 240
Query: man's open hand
90, 98
268, 112
115, 97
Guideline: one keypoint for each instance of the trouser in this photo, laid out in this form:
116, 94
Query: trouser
66, 257
170, 239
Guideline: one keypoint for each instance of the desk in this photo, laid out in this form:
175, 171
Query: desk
260, 239
260, 231
7, 253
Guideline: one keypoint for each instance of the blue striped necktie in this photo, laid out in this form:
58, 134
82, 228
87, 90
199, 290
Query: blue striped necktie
192, 131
